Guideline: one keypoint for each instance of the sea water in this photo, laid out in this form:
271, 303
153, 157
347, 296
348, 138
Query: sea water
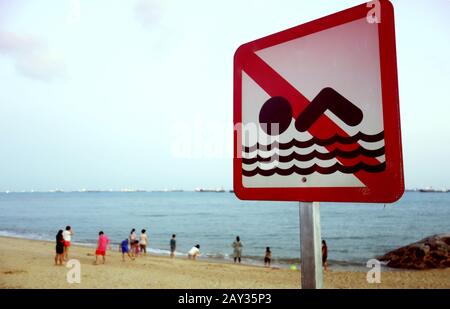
354, 233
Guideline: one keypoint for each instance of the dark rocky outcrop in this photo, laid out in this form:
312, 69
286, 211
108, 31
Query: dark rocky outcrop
431, 252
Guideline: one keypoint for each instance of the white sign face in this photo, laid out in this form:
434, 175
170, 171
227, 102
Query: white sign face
330, 58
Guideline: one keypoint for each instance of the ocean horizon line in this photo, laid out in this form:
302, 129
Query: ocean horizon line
209, 190
219, 190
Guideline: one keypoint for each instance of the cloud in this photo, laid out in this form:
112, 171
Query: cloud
148, 13
8, 9
31, 56
14, 43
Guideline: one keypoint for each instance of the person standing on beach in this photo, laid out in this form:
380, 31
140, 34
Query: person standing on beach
125, 249
267, 257
173, 246
102, 244
132, 240
143, 241
237, 249
59, 248
194, 252
67, 236
324, 254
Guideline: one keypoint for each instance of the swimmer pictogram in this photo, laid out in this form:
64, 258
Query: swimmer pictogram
277, 112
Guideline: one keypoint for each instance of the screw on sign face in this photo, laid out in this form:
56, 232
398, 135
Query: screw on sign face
317, 113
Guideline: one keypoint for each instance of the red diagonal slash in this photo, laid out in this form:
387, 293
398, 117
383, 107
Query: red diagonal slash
275, 85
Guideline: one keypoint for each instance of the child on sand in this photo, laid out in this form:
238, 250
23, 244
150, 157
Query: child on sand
125, 249
59, 248
103, 242
143, 241
267, 257
173, 245
194, 252
67, 236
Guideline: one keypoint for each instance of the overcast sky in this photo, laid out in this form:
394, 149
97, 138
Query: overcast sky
110, 94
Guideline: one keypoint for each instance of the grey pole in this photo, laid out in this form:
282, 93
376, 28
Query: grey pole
311, 246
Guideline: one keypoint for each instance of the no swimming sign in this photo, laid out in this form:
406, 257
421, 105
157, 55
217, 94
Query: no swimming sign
316, 111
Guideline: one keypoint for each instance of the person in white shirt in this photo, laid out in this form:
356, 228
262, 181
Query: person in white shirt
133, 242
67, 237
143, 242
194, 252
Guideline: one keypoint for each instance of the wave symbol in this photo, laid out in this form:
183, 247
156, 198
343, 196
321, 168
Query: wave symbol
278, 110
337, 167
317, 141
336, 153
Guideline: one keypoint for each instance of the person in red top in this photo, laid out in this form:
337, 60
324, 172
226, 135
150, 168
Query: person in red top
103, 242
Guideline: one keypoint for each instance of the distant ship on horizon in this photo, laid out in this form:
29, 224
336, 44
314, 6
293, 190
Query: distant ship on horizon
431, 190
218, 190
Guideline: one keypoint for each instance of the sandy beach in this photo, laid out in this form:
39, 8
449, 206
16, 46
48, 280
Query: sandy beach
29, 264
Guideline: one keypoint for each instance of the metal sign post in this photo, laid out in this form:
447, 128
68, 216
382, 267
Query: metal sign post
311, 246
